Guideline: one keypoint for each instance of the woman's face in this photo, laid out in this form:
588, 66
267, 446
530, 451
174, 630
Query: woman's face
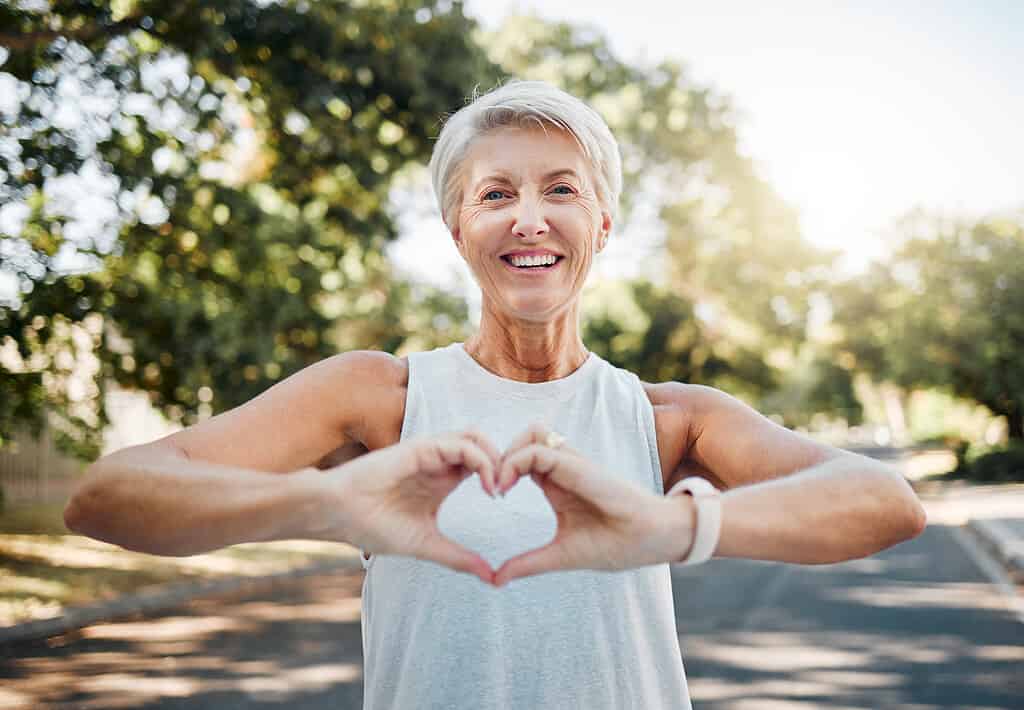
529, 191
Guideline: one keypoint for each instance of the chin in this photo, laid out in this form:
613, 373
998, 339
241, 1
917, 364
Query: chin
533, 310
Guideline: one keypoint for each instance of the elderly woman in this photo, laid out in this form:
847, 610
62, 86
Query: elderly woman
517, 455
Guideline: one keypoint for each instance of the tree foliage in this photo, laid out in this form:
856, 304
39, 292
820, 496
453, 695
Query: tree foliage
198, 189
653, 332
194, 200
732, 249
947, 311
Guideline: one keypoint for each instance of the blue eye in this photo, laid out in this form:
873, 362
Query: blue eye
568, 189
499, 193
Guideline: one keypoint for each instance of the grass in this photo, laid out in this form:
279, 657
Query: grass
45, 568
38, 519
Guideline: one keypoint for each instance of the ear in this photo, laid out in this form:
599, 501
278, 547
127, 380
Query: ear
605, 231
459, 244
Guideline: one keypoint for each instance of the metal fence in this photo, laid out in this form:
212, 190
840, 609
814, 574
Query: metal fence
35, 472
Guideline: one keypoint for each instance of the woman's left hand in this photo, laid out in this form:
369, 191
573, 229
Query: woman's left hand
604, 522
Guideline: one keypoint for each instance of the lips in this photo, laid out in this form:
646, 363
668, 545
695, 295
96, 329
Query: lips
531, 269
530, 252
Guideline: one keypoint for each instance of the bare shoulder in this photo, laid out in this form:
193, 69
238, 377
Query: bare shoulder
722, 438
380, 368
696, 405
678, 408
672, 426
691, 398
668, 411
380, 381
329, 411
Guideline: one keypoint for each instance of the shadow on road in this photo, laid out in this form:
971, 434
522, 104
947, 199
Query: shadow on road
302, 648
916, 626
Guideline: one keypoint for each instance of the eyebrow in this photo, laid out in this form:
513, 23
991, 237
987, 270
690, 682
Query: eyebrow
502, 177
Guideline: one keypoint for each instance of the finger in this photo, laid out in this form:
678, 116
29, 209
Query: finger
534, 562
573, 473
456, 451
481, 440
536, 433
534, 459
443, 551
461, 451
487, 478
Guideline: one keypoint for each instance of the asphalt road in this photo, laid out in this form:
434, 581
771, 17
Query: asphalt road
915, 627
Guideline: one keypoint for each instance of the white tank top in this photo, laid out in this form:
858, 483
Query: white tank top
436, 638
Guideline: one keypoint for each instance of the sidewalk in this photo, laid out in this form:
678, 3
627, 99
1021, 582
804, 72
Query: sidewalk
992, 514
1004, 540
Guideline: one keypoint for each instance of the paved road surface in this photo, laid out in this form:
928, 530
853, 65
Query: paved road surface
915, 627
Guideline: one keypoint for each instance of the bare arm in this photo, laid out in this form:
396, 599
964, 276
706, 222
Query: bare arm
220, 482
788, 498
169, 505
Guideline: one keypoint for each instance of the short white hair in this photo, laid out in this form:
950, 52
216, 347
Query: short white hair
520, 104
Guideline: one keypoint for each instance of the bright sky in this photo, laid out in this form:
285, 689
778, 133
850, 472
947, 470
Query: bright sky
855, 111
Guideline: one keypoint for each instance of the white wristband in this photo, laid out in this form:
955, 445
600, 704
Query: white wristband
708, 500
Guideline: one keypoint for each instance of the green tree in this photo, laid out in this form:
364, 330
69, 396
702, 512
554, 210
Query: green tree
194, 192
732, 248
947, 311
653, 332
816, 386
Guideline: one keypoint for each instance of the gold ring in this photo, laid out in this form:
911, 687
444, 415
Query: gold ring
554, 440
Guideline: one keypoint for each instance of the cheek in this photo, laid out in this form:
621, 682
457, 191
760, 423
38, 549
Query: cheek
474, 217
584, 216
468, 217
476, 229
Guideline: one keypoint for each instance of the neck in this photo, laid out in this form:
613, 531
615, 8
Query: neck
528, 351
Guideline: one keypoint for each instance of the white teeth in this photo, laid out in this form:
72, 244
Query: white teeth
533, 260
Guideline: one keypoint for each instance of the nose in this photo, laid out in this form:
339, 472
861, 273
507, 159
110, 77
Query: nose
530, 220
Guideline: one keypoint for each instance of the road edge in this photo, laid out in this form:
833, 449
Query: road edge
1003, 543
162, 597
990, 568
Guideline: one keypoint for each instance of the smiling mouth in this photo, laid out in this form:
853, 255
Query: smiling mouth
542, 267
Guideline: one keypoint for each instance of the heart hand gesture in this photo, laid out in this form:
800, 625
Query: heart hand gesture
604, 523
392, 496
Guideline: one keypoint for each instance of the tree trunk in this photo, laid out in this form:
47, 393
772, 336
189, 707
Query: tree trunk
895, 413
1015, 424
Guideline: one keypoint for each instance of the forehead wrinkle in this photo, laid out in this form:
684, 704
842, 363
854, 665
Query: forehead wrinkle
506, 179
494, 177
566, 172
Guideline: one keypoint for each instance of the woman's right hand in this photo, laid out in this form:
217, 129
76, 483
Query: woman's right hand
392, 496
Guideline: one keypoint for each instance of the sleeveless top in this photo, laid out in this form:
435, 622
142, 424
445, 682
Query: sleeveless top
594, 640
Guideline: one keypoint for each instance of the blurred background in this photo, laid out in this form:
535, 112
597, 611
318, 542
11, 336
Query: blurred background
822, 215
198, 199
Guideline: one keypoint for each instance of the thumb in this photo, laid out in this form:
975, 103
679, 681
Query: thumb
454, 556
533, 562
